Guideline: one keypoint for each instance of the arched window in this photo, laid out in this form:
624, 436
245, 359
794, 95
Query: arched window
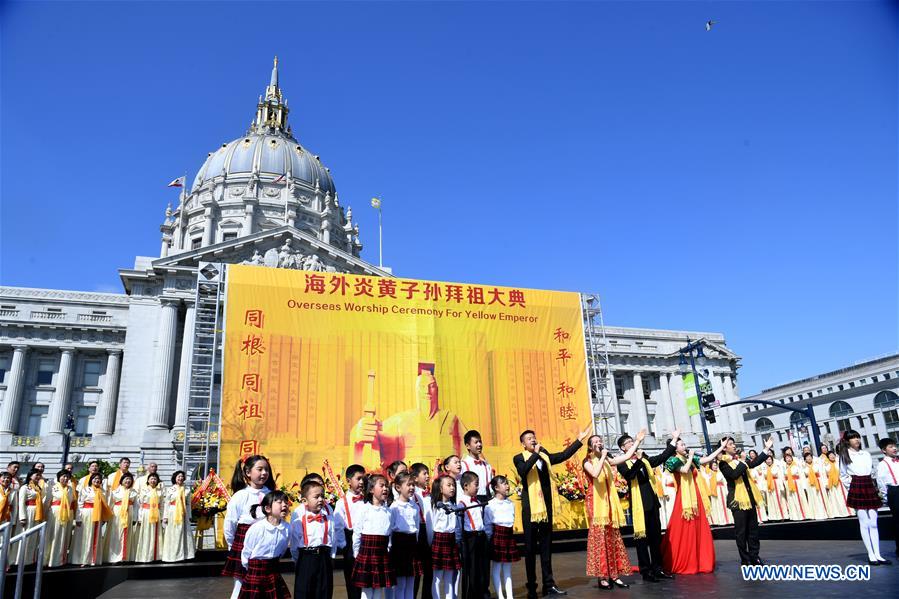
885, 399
798, 418
763, 424
839, 409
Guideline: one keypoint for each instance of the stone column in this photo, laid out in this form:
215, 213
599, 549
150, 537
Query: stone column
249, 219
9, 411
664, 407
162, 367
187, 347
638, 405
677, 390
676, 395
326, 231
104, 423
722, 415
207, 226
59, 405
613, 399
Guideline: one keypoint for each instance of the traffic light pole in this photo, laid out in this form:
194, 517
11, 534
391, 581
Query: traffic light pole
808, 411
705, 428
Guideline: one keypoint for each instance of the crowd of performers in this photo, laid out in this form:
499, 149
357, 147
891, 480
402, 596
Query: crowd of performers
97, 519
405, 535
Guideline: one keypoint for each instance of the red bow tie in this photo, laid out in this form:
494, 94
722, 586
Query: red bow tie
312, 518
896, 459
357, 498
479, 462
425, 493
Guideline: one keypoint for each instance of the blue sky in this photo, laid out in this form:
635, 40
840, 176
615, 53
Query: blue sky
742, 180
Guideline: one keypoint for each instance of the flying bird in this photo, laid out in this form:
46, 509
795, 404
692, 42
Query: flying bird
708, 25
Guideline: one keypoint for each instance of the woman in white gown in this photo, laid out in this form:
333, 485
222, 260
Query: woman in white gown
121, 529
149, 522
60, 520
93, 514
32, 511
814, 490
178, 542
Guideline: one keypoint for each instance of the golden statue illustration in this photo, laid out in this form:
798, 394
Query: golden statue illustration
420, 434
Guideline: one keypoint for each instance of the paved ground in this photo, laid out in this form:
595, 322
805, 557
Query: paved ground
725, 582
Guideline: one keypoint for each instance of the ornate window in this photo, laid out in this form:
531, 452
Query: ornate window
90, 376
798, 419
45, 369
763, 424
885, 399
840, 408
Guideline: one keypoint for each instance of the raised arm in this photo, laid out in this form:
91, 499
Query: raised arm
685, 469
630, 452
714, 455
595, 471
661, 458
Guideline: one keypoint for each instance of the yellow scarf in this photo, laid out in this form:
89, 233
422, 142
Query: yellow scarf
65, 506
154, 506
606, 507
659, 487
637, 500
833, 475
769, 478
712, 481
813, 477
535, 491
180, 509
689, 503
101, 511
38, 502
741, 495
5, 505
124, 514
116, 480
791, 482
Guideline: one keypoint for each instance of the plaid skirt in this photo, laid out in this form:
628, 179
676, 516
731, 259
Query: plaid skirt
862, 494
404, 555
233, 566
372, 568
445, 552
502, 546
262, 580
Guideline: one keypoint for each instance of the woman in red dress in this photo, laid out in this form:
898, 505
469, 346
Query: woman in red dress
606, 556
688, 547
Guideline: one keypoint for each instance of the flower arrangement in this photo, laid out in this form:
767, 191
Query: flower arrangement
209, 502
515, 486
569, 486
292, 492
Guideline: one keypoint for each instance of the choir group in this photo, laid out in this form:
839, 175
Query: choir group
97, 519
403, 534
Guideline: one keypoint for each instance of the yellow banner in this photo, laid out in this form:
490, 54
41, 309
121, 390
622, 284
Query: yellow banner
368, 370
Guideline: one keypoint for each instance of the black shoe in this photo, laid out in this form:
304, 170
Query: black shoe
874, 562
662, 574
758, 562
604, 585
885, 562
553, 591
650, 577
621, 584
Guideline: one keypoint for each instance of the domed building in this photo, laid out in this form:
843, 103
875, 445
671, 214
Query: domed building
137, 374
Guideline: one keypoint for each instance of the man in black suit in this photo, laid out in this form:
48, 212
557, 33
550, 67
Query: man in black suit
746, 521
538, 535
637, 473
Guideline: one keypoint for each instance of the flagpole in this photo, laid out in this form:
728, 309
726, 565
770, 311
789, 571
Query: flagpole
380, 240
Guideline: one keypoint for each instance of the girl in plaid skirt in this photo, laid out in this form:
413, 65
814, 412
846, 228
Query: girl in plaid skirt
251, 481
442, 528
266, 541
499, 517
407, 519
855, 473
372, 570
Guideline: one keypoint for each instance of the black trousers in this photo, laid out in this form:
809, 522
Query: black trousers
538, 538
314, 575
893, 503
424, 581
352, 592
475, 581
649, 549
746, 533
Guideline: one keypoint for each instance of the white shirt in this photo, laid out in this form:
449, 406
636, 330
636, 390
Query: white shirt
860, 464
887, 474
348, 519
313, 534
406, 516
373, 520
264, 541
483, 469
500, 512
472, 519
238, 511
439, 521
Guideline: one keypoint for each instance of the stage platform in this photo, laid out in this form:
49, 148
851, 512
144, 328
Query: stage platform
817, 542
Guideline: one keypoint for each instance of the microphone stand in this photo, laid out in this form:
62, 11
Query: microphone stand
452, 509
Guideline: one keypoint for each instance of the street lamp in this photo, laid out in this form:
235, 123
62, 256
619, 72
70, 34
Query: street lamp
689, 355
68, 429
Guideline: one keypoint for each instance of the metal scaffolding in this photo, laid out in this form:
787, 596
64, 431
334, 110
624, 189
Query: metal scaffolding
606, 418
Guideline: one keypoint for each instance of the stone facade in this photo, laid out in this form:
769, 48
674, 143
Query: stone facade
119, 363
863, 397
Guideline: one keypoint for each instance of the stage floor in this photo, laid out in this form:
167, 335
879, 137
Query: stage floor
569, 572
